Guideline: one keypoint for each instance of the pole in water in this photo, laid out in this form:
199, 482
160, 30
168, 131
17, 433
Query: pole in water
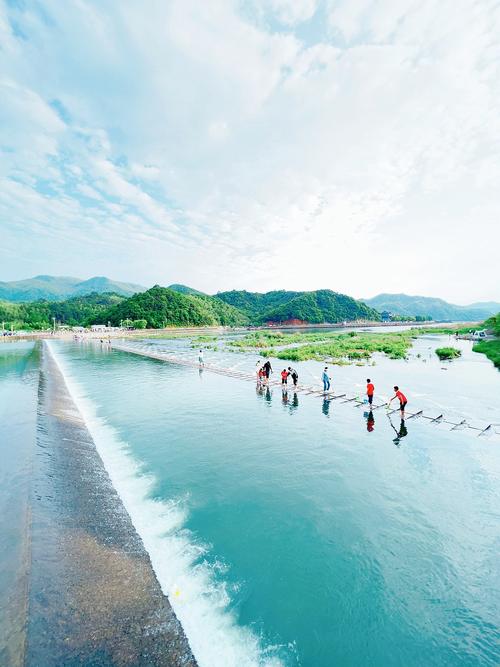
437, 420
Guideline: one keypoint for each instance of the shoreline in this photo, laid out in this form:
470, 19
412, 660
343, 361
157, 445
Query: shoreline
93, 595
196, 331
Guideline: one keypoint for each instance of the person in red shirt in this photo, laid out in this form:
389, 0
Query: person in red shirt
370, 390
402, 400
284, 376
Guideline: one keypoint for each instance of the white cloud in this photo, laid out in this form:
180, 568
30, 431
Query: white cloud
226, 151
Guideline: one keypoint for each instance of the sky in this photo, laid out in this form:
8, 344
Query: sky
253, 144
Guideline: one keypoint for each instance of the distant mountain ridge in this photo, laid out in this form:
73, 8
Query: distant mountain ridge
438, 309
237, 307
58, 288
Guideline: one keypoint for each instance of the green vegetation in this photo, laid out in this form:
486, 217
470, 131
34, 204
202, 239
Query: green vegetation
334, 347
451, 329
445, 353
184, 289
80, 310
161, 307
493, 323
135, 324
491, 348
321, 306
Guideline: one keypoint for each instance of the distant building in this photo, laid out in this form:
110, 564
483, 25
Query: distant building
386, 316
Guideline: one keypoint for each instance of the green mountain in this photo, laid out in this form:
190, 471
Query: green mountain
256, 303
161, 306
438, 309
57, 288
320, 306
184, 289
79, 310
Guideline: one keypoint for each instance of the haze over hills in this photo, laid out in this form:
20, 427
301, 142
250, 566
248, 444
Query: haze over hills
58, 288
438, 309
181, 304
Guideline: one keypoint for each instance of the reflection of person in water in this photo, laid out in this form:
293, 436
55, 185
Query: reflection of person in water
268, 394
402, 433
284, 396
370, 421
326, 407
295, 401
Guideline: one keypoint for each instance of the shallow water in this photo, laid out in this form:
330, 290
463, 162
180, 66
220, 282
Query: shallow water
286, 532
18, 405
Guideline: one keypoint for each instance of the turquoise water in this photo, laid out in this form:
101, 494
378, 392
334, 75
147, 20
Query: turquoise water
18, 405
284, 531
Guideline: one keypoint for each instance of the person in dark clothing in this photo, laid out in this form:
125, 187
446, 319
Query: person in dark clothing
267, 369
294, 375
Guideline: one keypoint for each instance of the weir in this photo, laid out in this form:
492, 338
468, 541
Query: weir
488, 429
94, 598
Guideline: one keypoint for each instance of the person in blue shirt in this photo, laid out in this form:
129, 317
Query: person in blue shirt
326, 379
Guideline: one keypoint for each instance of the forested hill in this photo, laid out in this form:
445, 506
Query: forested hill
437, 309
161, 306
320, 306
77, 311
184, 289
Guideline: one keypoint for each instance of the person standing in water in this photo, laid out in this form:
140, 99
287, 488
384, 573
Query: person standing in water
200, 358
370, 390
284, 377
267, 370
402, 400
326, 380
294, 374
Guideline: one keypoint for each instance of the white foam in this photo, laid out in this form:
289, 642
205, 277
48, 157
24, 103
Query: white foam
199, 599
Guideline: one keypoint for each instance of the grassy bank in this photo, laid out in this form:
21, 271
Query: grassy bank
491, 348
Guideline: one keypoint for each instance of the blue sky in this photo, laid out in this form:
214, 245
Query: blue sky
258, 144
